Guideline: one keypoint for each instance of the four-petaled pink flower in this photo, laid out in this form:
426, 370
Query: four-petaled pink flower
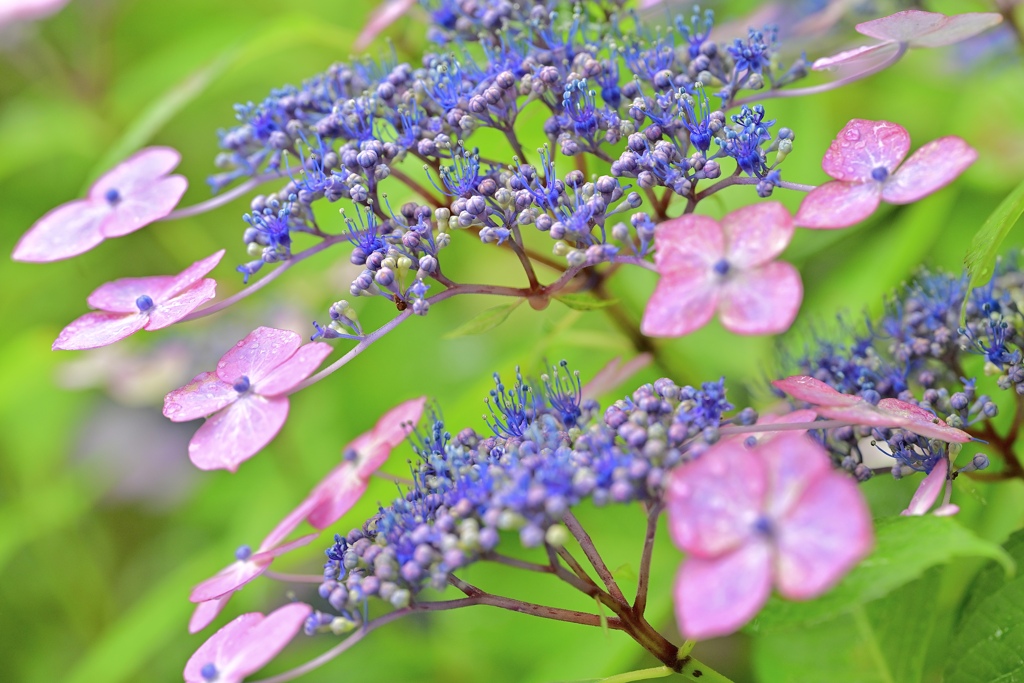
134, 194
131, 304
928, 492
245, 645
707, 266
890, 412
247, 396
863, 159
748, 518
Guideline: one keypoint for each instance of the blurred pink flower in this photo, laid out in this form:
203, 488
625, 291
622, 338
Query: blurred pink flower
613, 374
385, 14
928, 492
863, 160
134, 194
749, 518
707, 266
245, 645
131, 304
12, 11
247, 396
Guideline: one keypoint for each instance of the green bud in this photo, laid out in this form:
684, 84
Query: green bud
557, 536
254, 250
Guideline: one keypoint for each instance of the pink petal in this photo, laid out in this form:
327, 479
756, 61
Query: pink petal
258, 354
928, 492
94, 330
680, 304
918, 420
902, 26
204, 395
714, 501
174, 309
277, 550
68, 230
756, 234
238, 432
794, 462
220, 646
814, 391
147, 206
688, 245
390, 431
860, 58
287, 525
613, 374
761, 301
825, 534
383, 16
206, 612
862, 413
794, 417
863, 146
229, 579
930, 168
291, 372
716, 597
956, 28
838, 204
336, 495
946, 510
140, 170
120, 296
192, 274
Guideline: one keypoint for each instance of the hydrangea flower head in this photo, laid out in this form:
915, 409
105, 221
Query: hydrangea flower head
247, 396
128, 305
728, 267
865, 161
245, 645
134, 194
749, 518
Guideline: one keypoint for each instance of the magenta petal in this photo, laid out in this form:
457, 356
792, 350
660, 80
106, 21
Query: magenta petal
814, 391
136, 172
928, 492
859, 58
121, 296
862, 413
258, 354
680, 305
174, 309
269, 638
863, 146
336, 495
716, 597
794, 462
688, 245
902, 26
918, 420
761, 301
956, 28
192, 274
383, 16
287, 525
390, 431
238, 432
714, 501
265, 556
220, 647
838, 204
68, 230
930, 168
206, 612
822, 537
229, 579
301, 365
94, 330
148, 205
204, 395
756, 234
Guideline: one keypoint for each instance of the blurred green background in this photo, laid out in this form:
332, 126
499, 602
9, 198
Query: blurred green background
104, 524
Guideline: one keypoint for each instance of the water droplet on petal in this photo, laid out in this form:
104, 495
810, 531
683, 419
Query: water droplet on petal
852, 134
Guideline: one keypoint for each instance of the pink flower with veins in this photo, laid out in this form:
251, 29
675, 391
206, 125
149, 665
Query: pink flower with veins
707, 266
928, 492
890, 412
134, 194
132, 304
748, 518
247, 396
245, 645
864, 158
386, 13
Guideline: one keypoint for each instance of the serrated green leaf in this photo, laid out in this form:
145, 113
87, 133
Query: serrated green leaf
485, 321
904, 548
981, 257
585, 301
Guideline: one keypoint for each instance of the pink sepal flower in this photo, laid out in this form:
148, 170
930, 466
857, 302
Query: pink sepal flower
749, 518
864, 158
728, 267
247, 396
134, 194
385, 14
890, 412
613, 374
131, 304
245, 645
928, 492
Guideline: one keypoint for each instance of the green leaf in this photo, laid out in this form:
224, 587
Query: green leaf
981, 257
585, 301
485, 321
904, 548
990, 637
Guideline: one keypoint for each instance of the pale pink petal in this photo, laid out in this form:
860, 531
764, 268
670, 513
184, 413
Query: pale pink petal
814, 391
121, 296
336, 495
863, 146
288, 374
928, 492
146, 206
68, 230
383, 16
761, 301
956, 28
756, 234
191, 275
794, 462
258, 354
219, 647
269, 553
238, 432
862, 413
859, 58
838, 204
716, 597
137, 171
902, 26
229, 579
206, 612
680, 304
390, 431
174, 309
794, 417
714, 501
930, 168
918, 420
94, 330
287, 525
947, 510
688, 245
204, 395
824, 535
613, 374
